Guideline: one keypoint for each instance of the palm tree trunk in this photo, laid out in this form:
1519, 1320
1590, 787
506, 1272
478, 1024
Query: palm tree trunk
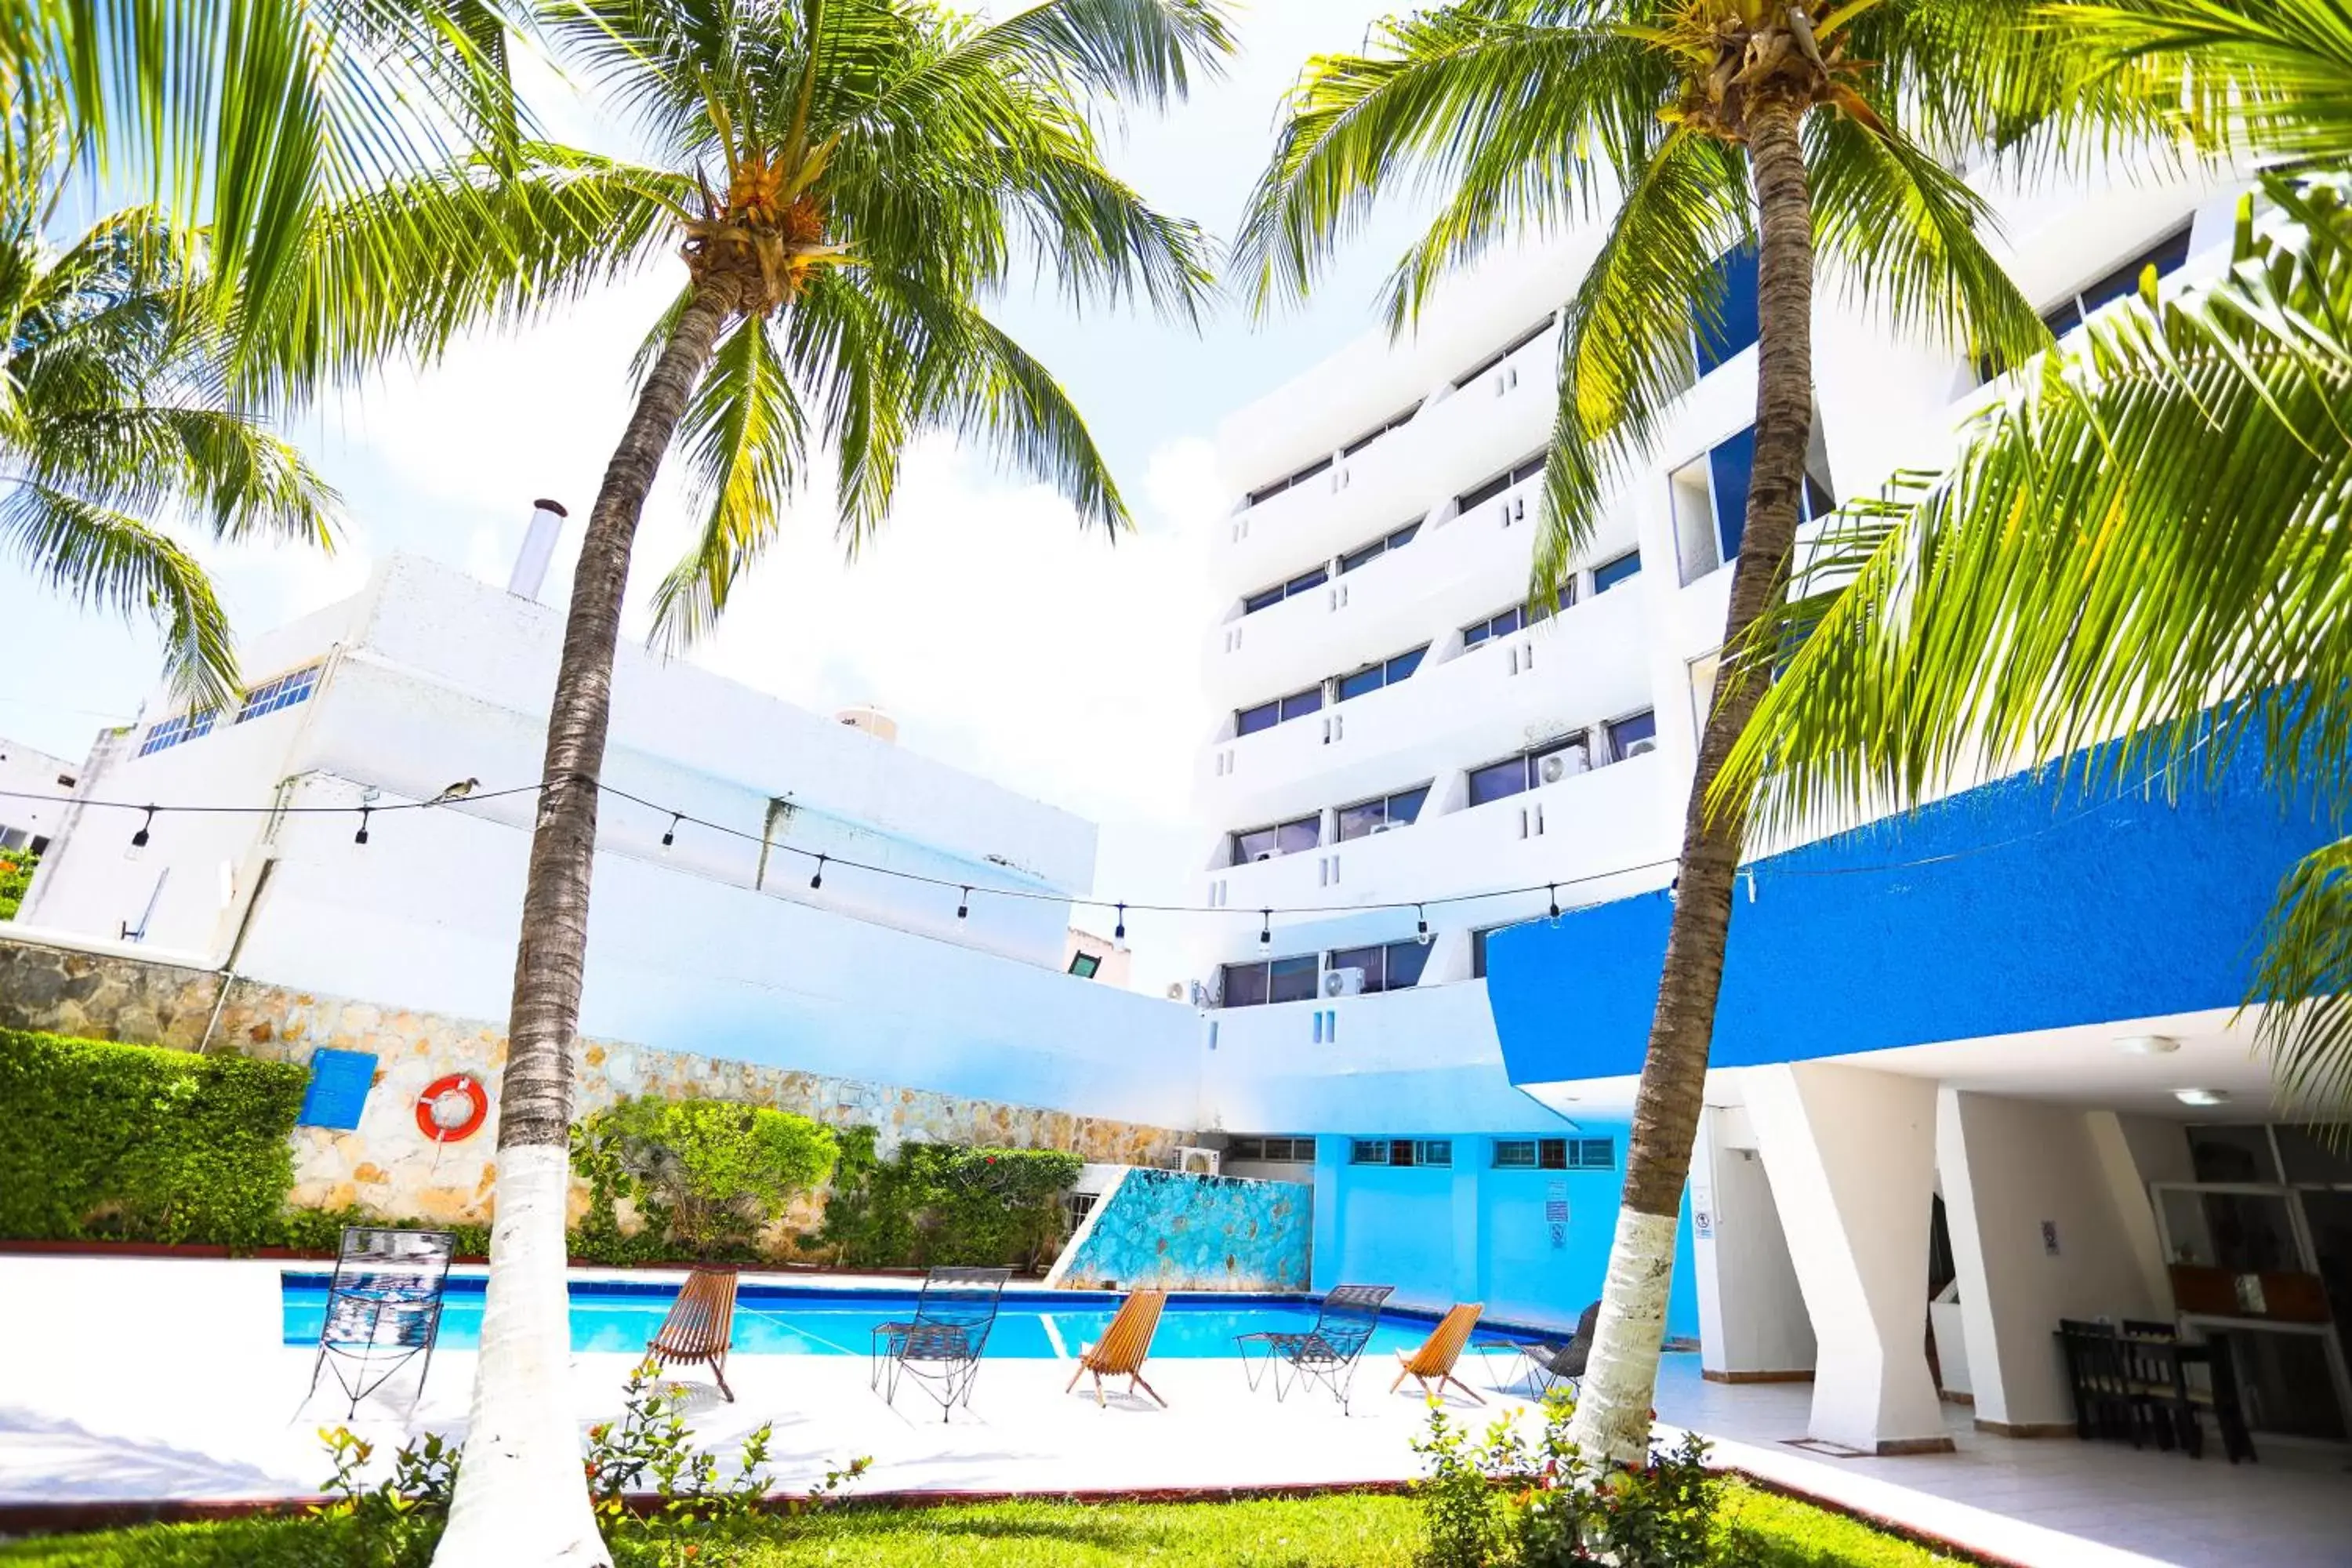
521, 1497
1613, 1411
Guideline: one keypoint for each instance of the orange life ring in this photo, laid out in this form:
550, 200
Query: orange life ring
452, 1108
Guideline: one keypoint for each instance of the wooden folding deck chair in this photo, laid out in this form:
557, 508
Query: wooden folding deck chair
1435, 1358
699, 1324
1124, 1346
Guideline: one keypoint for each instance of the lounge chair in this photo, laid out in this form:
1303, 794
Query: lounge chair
383, 1310
1434, 1361
1124, 1346
699, 1325
1326, 1353
940, 1345
1550, 1362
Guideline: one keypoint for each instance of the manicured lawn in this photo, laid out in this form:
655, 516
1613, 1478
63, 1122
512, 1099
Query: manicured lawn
1354, 1531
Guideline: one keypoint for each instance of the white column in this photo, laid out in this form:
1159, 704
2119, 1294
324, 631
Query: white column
2035, 1237
1752, 1324
1850, 1153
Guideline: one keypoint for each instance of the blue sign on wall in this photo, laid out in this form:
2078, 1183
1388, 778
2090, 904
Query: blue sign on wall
2014, 907
340, 1081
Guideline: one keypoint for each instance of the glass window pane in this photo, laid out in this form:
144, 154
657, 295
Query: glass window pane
1293, 978
1356, 821
2233, 1153
1405, 806
1482, 493
1610, 573
1478, 954
2310, 1158
1626, 732
1552, 1154
1496, 780
1314, 579
1250, 721
1366, 959
1514, 1154
1435, 1152
1402, 665
1472, 635
1731, 465
1817, 498
1371, 551
1292, 836
1566, 597
1250, 846
2063, 319
2164, 256
1265, 601
1401, 1151
1406, 960
1734, 275
1300, 704
1362, 681
1404, 536
1244, 985
1367, 1152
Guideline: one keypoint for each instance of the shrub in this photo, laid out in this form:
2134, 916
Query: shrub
15, 880
936, 1204
105, 1139
705, 1173
1503, 1501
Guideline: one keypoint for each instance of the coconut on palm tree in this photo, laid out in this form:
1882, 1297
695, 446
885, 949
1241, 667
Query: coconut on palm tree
1818, 131
2144, 541
845, 182
115, 418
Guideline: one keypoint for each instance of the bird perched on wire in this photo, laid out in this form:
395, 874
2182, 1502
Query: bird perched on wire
458, 790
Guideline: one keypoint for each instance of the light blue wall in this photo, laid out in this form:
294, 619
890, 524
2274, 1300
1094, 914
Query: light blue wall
1471, 1233
2014, 907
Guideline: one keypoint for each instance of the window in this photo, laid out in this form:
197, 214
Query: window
2166, 256
170, 733
1610, 573
1554, 1155
1381, 814
1374, 433
1401, 1151
1266, 715
283, 692
1282, 838
1281, 591
1632, 735
1526, 468
1085, 965
1393, 966
1478, 940
1378, 548
1710, 503
1276, 980
1731, 290
1272, 1150
1512, 620
1506, 352
1388, 672
1548, 763
1280, 485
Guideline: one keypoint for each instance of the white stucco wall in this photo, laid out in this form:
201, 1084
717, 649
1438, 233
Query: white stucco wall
1752, 1318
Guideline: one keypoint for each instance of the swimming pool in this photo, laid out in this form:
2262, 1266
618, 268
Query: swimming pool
785, 1319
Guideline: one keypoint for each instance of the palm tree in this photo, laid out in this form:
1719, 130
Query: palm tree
2150, 522
846, 181
1709, 123
114, 409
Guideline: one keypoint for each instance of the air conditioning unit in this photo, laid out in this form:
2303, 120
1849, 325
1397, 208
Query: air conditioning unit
1379, 827
1563, 765
1195, 1160
1201, 995
1643, 747
1344, 983
1263, 855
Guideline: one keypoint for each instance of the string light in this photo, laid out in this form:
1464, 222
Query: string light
1266, 928
818, 880
1421, 925
963, 904
669, 834
361, 836
1553, 888
139, 839
1118, 934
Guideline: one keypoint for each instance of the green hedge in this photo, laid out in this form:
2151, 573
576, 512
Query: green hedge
104, 1140
943, 1203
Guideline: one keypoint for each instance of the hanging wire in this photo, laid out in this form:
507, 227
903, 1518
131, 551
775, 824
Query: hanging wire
361, 836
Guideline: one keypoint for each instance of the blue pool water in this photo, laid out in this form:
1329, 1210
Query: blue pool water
781, 1320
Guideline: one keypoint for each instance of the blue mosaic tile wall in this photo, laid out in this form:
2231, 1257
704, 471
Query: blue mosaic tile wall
1195, 1233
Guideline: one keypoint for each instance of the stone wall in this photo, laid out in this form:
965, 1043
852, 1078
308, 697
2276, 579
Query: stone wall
387, 1164
1185, 1232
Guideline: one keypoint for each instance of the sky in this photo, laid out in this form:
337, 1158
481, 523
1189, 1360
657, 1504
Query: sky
1003, 638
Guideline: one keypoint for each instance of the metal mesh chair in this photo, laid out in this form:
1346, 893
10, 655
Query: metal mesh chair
383, 1310
1326, 1354
1549, 1365
940, 1347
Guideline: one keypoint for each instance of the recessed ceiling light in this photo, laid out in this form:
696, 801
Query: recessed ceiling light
2147, 1045
2201, 1096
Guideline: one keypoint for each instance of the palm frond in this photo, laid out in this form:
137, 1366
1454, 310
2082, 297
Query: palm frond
1143, 51
2304, 978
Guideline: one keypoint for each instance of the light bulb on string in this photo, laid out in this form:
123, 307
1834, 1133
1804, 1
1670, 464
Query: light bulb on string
1119, 933
669, 834
818, 880
139, 839
963, 905
1421, 925
361, 836
1554, 890
1266, 928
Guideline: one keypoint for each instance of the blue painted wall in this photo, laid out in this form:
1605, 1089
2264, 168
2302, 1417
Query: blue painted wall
2057, 909
1471, 1233
1193, 1233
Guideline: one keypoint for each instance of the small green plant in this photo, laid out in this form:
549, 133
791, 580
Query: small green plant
15, 881
1503, 1502
706, 1174
396, 1522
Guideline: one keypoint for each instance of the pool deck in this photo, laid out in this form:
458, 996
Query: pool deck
143, 1380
